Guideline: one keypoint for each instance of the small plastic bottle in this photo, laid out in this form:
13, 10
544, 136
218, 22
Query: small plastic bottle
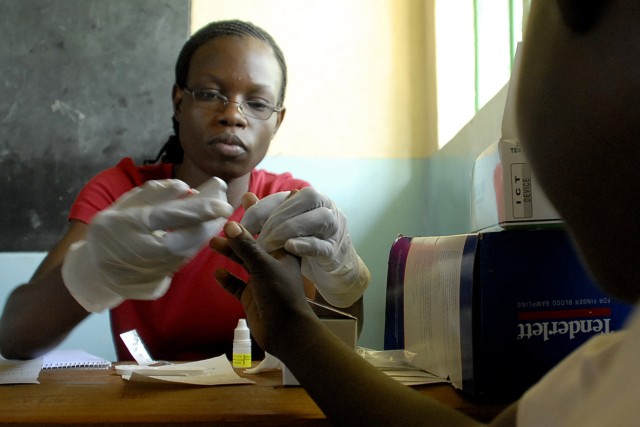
241, 345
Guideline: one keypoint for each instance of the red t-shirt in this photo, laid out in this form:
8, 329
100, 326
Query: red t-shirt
195, 319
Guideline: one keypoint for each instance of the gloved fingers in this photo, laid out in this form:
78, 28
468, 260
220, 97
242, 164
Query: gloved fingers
84, 282
309, 246
321, 223
126, 256
186, 242
185, 212
152, 192
214, 188
256, 215
305, 200
146, 257
153, 289
341, 283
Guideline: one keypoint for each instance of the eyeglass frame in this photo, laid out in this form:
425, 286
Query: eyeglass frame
226, 102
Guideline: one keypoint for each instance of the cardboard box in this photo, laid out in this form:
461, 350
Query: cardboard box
504, 192
493, 312
343, 325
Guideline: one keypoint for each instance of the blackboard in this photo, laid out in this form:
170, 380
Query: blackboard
84, 83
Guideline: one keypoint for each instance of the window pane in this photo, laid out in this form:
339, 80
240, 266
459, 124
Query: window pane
493, 41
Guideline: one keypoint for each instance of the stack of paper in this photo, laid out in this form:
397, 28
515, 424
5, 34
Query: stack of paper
396, 364
214, 371
20, 371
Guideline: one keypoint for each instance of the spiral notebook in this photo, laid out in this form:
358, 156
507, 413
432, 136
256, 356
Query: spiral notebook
73, 359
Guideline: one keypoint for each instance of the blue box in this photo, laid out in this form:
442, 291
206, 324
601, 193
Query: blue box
493, 312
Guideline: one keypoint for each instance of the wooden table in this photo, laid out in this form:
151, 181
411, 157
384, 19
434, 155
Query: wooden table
101, 397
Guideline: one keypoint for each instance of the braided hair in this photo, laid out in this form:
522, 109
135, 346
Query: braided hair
171, 151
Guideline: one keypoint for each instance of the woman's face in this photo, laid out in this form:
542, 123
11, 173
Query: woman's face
226, 143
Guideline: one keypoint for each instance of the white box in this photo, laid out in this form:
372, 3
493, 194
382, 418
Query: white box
505, 193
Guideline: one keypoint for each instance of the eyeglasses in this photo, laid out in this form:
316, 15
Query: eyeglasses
213, 100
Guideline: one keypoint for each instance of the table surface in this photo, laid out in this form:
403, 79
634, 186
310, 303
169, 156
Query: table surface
101, 397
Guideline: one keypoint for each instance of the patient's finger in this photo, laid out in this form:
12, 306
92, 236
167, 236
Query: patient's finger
249, 199
220, 245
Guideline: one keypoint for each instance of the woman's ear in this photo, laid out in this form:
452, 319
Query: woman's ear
279, 120
176, 99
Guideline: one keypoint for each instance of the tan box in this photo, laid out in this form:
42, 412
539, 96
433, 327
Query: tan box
343, 325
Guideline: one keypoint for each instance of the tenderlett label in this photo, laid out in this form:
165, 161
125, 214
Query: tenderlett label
570, 328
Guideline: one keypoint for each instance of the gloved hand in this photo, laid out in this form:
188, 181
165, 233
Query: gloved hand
310, 226
134, 246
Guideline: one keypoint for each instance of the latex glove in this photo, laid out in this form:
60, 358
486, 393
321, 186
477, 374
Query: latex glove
309, 225
134, 246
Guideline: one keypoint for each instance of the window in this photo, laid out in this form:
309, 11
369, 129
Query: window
475, 47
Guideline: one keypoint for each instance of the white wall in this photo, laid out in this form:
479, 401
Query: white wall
359, 79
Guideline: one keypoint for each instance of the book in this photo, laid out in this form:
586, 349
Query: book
73, 359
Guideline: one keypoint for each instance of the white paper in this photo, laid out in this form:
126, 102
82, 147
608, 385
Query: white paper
416, 377
170, 369
73, 359
397, 365
432, 304
215, 371
20, 371
137, 348
270, 363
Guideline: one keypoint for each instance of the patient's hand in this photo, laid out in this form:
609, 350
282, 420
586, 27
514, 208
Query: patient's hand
273, 297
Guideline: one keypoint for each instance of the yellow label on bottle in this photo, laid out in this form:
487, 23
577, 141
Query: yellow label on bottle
242, 360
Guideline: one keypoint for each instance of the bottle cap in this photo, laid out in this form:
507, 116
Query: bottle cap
242, 333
